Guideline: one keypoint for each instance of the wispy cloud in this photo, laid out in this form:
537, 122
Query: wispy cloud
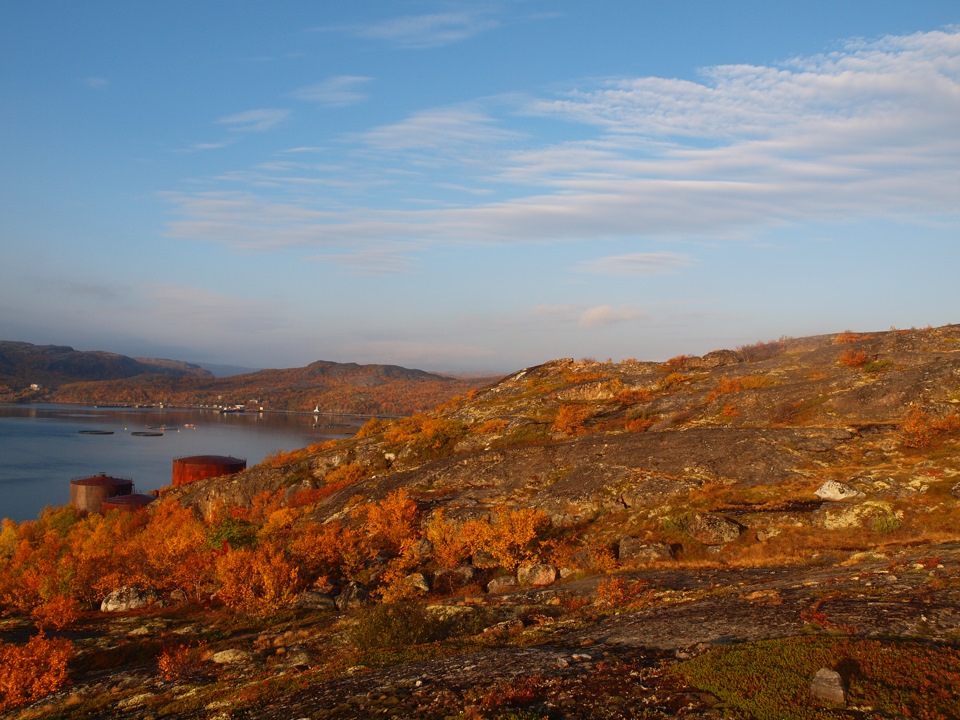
340, 91
439, 130
254, 120
866, 132
95, 82
432, 29
593, 316
602, 315
373, 260
652, 263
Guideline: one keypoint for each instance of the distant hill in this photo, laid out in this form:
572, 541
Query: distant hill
61, 374
50, 366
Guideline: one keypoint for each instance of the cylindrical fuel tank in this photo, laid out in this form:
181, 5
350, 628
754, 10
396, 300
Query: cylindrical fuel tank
88, 493
126, 503
197, 467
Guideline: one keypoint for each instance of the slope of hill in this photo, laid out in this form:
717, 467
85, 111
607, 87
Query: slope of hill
771, 531
329, 386
23, 364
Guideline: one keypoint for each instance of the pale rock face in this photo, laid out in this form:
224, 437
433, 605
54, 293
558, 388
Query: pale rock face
828, 687
635, 550
231, 656
712, 529
128, 598
833, 491
502, 584
537, 574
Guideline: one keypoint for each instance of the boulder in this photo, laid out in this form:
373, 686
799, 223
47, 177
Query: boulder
128, 598
231, 656
712, 529
450, 579
352, 595
504, 583
636, 550
418, 582
314, 600
828, 687
536, 574
833, 491
955, 491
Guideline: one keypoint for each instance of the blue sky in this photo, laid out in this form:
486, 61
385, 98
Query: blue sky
474, 186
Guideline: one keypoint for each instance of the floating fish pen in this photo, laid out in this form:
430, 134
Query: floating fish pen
126, 503
88, 493
199, 467
96, 432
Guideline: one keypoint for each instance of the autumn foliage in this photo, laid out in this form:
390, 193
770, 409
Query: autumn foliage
571, 420
32, 670
921, 428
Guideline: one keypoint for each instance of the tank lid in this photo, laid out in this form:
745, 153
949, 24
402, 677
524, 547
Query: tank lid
209, 459
101, 479
134, 499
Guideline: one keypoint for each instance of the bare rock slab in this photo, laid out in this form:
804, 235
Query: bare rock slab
828, 687
834, 491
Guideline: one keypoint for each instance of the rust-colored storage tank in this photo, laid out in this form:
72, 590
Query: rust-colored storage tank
197, 467
126, 503
87, 494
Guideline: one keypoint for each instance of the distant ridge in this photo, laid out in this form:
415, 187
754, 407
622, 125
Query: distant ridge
63, 374
25, 364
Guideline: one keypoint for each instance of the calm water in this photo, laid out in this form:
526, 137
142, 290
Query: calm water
42, 449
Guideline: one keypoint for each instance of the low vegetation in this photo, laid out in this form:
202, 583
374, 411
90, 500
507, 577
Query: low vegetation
552, 510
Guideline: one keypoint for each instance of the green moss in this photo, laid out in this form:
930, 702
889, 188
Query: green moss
771, 678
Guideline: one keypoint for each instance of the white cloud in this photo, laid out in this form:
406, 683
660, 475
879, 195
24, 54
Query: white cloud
602, 315
430, 30
373, 260
340, 91
96, 83
594, 316
652, 263
866, 133
254, 120
438, 130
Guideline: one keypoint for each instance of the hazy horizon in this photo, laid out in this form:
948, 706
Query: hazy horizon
474, 187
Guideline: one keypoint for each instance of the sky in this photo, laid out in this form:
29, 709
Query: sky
474, 186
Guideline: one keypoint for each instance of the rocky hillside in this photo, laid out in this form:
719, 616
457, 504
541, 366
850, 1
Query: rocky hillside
763, 532
333, 387
23, 364
752, 433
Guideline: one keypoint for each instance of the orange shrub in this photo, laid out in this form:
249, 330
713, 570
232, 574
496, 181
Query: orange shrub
571, 419
32, 670
513, 535
328, 549
58, 612
729, 411
672, 380
618, 592
391, 521
728, 385
639, 424
258, 581
492, 427
853, 358
674, 364
633, 397
180, 661
451, 544
919, 428
371, 427
846, 337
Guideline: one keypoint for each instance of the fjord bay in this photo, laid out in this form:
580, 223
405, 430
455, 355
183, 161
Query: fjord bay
44, 446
